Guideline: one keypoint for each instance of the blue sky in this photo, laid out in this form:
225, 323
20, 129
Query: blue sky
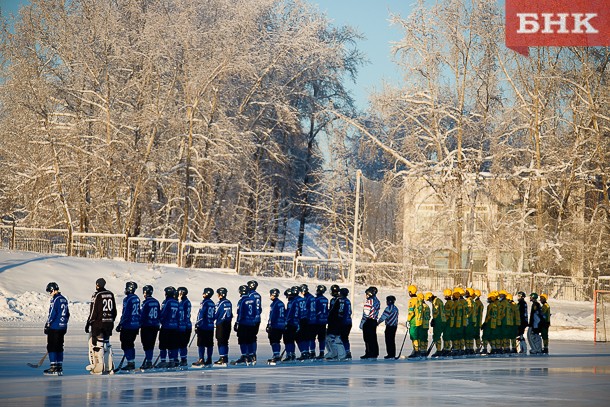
369, 17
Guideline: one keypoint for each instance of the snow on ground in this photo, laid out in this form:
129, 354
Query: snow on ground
24, 276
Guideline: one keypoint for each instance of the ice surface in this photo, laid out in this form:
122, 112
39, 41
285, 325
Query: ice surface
576, 374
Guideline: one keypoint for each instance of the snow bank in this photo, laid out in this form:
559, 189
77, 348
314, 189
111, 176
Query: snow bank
24, 276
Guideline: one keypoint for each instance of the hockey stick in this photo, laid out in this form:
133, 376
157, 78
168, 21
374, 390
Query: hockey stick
194, 335
430, 348
120, 365
36, 365
154, 365
403, 344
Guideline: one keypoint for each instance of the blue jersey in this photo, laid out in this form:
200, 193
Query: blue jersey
292, 312
302, 306
246, 310
347, 312
184, 319
310, 307
277, 314
130, 317
258, 302
170, 314
150, 312
224, 311
321, 304
59, 314
205, 316
390, 316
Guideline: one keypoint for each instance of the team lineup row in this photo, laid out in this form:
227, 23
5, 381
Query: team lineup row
302, 322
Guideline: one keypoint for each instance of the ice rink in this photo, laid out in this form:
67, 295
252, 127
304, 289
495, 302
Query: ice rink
576, 374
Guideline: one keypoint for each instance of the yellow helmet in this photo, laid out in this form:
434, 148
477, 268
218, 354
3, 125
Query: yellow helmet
447, 292
470, 292
477, 293
412, 289
493, 294
509, 297
503, 292
427, 296
420, 296
545, 296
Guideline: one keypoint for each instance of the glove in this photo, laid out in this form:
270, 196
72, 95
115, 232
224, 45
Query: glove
118, 328
298, 328
87, 328
432, 322
235, 326
46, 329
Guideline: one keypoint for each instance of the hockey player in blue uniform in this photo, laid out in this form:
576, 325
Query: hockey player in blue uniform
320, 321
292, 323
168, 335
302, 336
276, 324
185, 326
204, 327
308, 326
252, 285
347, 323
245, 325
129, 325
149, 322
55, 328
368, 324
223, 317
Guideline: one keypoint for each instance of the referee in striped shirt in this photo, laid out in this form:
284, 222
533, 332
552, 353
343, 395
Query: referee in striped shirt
390, 316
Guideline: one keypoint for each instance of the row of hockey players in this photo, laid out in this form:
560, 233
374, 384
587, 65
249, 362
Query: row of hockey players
304, 319
459, 328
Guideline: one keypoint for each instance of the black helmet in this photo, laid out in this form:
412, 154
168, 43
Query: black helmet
304, 288
208, 292
288, 292
373, 290
243, 289
52, 286
321, 289
335, 290
370, 291
182, 290
170, 291
252, 284
344, 292
390, 299
148, 290
274, 292
296, 290
130, 287
521, 294
100, 282
222, 292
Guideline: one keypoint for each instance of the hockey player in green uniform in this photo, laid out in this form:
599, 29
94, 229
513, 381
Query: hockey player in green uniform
472, 328
513, 323
437, 323
489, 325
503, 342
424, 327
448, 330
414, 319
